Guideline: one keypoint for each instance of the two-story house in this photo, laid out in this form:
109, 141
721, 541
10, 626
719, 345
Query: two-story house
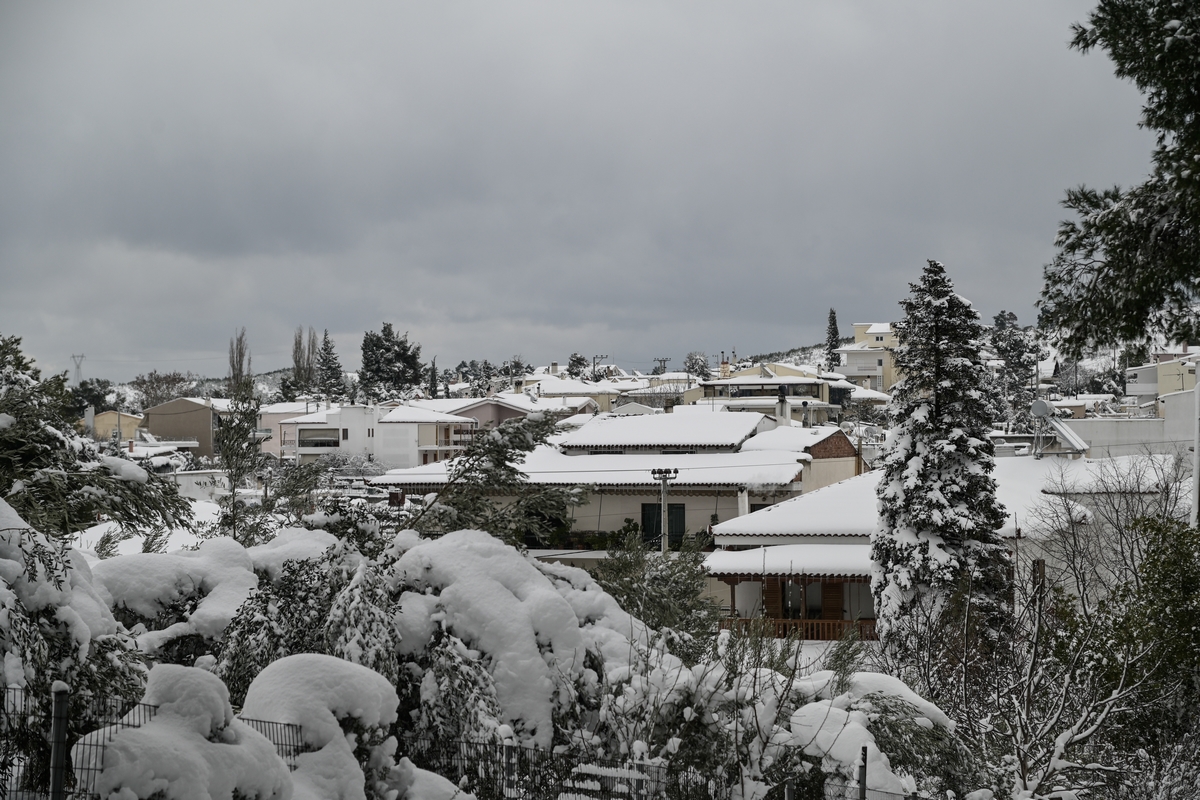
868, 362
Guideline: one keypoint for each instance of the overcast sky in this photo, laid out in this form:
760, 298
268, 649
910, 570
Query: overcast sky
625, 178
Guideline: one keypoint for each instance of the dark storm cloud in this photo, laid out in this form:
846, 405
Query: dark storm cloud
629, 178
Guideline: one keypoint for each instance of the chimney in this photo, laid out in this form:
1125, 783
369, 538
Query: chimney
131, 445
553, 367
782, 410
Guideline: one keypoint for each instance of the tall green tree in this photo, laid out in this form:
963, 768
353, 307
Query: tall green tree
576, 365
239, 445
833, 340
391, 365
331, 379
1127, 266
938, 512
303, 379
1017, 349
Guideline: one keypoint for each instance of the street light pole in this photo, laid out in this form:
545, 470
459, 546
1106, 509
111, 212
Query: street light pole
664, 475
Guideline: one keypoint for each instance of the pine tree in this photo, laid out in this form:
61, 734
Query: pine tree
359, 625
331, 380
433, 378
1018, 351
696, 363
576, 365
833, 340
938, 511
390, 364
238, 444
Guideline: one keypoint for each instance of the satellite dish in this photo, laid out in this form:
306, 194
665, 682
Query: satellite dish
846, 427
1041, 408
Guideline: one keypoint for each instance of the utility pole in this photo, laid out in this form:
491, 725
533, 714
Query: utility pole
594, 360
78, 359
1195, 455
662, 364
664, 475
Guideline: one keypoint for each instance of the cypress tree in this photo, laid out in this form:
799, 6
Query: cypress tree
938, 513
833, 340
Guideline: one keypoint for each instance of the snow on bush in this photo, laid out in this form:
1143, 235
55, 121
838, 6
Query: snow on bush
54, 623
535, 633
197, 592
344, 712
192, 749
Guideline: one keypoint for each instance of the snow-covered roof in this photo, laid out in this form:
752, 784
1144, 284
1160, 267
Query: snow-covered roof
545, 465
849, 507
860, 393
219, 404
410, 414
523, 402
757, 380
315, 418
879, 327
294, 407
793, 439
554, 385
811, 558
858, 346
665, 430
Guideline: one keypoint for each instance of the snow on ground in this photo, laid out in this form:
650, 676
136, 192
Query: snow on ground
192, 749
204, 511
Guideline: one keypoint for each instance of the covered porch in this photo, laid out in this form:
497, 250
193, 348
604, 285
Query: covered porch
815, 589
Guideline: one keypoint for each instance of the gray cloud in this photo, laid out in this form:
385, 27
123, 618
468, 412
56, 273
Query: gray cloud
629, 178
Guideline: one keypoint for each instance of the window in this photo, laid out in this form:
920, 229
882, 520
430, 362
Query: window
345, 434
880, 362
652, 522
370, 433
759, 506
879, 338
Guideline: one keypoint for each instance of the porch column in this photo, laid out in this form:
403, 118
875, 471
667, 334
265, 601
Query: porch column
743, 502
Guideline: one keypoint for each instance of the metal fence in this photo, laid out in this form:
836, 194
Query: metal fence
53, 747
494, 771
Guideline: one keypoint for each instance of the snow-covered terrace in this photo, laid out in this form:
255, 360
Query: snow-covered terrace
824, 560
767, 469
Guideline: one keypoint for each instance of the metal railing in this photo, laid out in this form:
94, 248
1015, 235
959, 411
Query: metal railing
496, 771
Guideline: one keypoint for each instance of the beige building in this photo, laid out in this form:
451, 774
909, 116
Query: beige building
107, 423
187, 418
868, 362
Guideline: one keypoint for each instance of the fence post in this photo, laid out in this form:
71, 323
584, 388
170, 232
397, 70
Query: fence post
862, 776
58, 741
789, 790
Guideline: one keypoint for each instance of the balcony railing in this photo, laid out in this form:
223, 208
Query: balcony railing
317, 443
820, 630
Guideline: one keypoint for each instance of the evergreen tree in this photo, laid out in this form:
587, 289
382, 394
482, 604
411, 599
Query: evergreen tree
696, 363
1127, 267
433, 378
576, 365
304, 366
1018, 351
833, 340
359, 625
331, 379
237, 442
390, 364
938, 513
57, 480
481, 379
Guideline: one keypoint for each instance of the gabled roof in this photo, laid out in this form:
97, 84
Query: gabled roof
545, 465
665, 430
218, 404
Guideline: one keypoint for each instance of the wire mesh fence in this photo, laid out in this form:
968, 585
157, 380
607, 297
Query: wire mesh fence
30, 767
493, 771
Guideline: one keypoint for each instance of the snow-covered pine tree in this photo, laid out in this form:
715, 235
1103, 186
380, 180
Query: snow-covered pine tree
938, 513
1018, 349
359, 625
390, 364
331, 380
696, 363
833, 340
576, 365
237, 442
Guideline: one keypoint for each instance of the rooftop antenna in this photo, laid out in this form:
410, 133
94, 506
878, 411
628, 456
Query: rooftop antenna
78, 359
1040, 410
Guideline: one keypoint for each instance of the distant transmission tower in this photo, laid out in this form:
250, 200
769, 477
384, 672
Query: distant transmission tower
78, 367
